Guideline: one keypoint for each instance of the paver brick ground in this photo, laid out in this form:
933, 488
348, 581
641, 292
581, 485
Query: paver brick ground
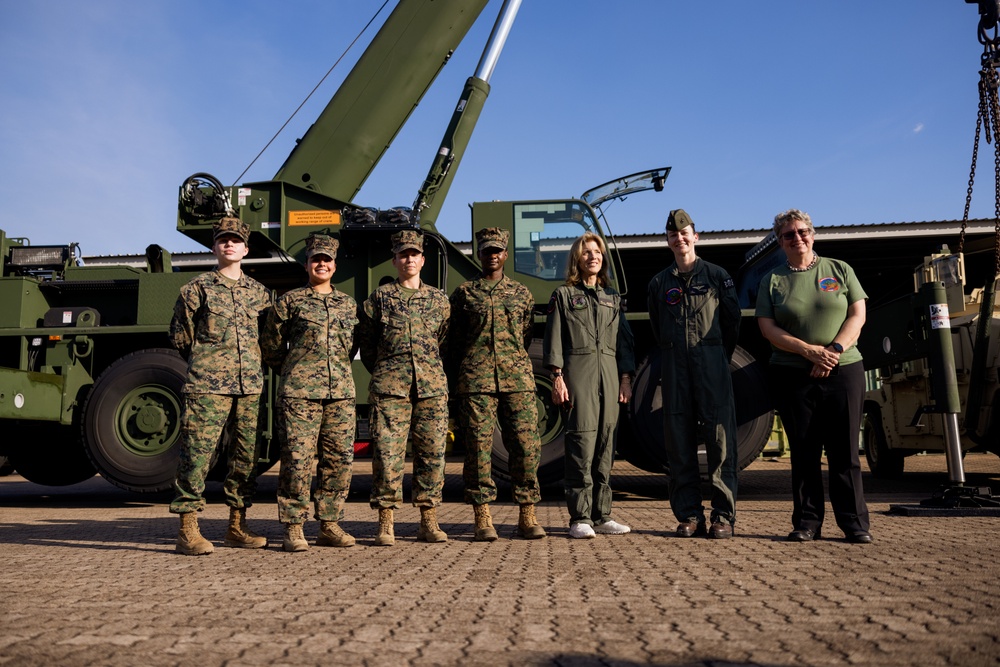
90, 577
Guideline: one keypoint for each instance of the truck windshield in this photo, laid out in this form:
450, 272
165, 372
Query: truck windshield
544, 232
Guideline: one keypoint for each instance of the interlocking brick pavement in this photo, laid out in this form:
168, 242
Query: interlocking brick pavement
89, 577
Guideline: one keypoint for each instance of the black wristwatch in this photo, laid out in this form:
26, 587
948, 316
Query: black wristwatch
837, 347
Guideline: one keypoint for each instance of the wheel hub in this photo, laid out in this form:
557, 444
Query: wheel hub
151, 419
148, 420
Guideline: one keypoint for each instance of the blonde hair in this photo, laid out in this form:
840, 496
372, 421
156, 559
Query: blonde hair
576, 252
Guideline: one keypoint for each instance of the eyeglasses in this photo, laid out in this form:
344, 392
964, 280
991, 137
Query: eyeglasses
801, 233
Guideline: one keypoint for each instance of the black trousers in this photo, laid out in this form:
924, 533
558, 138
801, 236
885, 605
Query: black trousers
818, 414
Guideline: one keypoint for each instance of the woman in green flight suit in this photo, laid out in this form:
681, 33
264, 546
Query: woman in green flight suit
588, 348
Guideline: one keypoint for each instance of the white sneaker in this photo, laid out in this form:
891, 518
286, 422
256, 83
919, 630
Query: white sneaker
581, 531
612, 527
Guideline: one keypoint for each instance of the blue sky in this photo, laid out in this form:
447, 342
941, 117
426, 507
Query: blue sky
859, 111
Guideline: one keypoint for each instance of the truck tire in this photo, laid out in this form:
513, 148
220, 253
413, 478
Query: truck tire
993, 434
132, 420
551, 429
883, 462
48, 453
754, 414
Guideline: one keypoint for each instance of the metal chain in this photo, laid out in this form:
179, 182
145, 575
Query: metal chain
987, 122
972, 171
994, 112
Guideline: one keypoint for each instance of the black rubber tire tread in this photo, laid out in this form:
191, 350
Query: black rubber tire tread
883, 462
754, 414
220, 462
48, 453
159, 367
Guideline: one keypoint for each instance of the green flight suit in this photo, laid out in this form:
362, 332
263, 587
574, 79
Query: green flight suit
588, 337
695, 318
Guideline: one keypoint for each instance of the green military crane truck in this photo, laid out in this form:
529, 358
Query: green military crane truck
88, 382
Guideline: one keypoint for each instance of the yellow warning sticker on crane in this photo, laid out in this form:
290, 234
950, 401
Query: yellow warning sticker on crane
303, 218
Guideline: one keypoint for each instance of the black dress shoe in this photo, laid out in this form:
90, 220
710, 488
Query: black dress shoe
803, 535
860, 537
720, 530
690, 528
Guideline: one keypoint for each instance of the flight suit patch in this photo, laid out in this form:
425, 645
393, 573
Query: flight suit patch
578, 302
673, 295
698, 290
552, 304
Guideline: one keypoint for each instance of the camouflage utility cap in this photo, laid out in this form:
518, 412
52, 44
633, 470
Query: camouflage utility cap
492, 237
678, 220
231, 226
321, 244
406, 240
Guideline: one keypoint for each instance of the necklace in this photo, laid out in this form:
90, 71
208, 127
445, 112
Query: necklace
811, 264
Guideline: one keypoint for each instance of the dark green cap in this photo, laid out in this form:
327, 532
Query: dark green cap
678, 220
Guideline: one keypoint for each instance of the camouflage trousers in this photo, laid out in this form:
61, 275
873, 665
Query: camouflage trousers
312, 429
517, 417
203, 422
425, 422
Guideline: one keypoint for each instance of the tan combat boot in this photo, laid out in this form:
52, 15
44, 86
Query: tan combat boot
332, 535
485, 532
294, 539
239, 535
385, 537
189, 540
527, 524
429, 530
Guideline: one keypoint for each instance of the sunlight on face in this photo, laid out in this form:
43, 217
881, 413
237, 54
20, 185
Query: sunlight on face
591, 259
321, 268
408, 263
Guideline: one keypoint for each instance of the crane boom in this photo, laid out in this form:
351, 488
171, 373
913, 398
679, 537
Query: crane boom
343, 146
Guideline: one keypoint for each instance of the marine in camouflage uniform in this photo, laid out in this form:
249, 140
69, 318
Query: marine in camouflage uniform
695, 318
588, 346
309, 336
402, 328
491, 328
215, 328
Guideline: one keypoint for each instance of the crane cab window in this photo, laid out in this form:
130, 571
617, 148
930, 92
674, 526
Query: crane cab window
544, 233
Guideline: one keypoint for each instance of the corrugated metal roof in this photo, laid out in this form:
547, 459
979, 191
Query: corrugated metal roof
830, 232
723, 237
